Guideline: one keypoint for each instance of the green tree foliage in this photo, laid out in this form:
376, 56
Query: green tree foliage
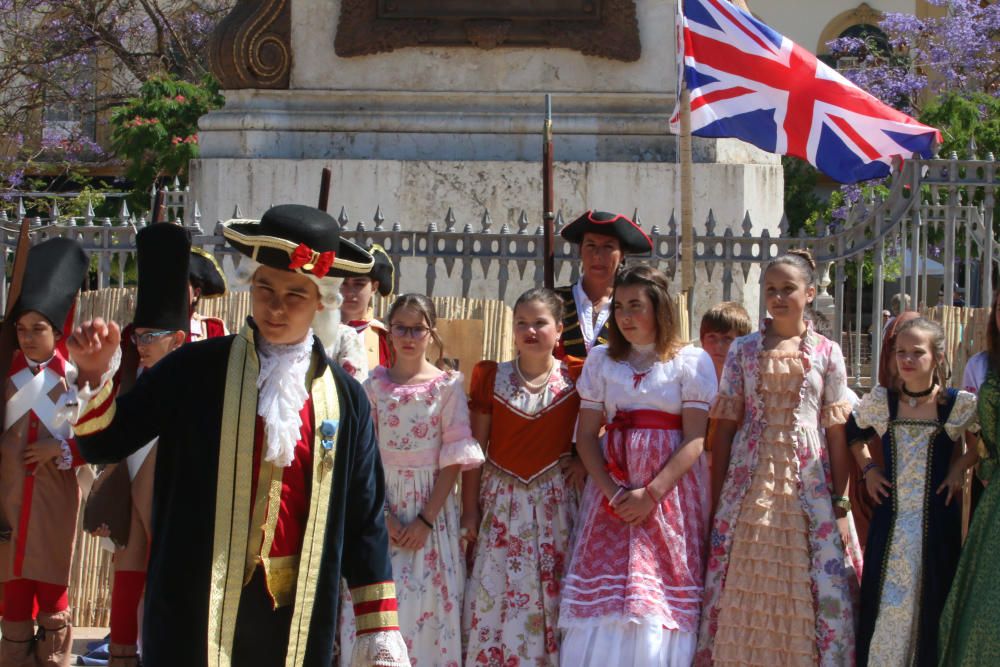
801, 201
964, 117
156, 133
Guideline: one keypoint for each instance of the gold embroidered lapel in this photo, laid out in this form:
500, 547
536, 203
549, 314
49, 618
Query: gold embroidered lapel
326, 410
232, 504
232, 497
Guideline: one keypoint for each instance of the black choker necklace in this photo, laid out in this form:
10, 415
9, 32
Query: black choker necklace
914, 395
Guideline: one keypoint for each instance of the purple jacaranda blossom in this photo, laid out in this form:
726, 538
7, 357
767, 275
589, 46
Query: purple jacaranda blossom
68, 62
956, 52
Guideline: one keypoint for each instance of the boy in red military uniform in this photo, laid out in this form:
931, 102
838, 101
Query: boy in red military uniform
39, 494
207, 281
356, 311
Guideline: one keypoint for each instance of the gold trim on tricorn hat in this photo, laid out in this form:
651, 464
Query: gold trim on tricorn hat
301, 239
207, 271
384, 271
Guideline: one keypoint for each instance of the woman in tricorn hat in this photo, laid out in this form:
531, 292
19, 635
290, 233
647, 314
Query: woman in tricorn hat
604, 240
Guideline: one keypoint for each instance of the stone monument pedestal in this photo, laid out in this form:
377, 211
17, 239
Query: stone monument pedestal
419, 130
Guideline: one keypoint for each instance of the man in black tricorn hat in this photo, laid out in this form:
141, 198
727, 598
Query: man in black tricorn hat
269, 486
604, 240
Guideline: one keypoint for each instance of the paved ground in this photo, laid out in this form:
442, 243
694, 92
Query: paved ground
83, 636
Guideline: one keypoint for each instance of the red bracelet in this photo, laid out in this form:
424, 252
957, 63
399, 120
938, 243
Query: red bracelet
653, 495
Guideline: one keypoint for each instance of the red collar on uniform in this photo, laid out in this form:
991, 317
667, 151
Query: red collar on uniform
359, 325
57, 363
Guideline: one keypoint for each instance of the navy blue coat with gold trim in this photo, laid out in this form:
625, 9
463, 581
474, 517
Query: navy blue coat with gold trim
572, 336
181, 400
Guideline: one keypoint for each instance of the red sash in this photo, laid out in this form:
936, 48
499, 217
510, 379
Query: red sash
627, 420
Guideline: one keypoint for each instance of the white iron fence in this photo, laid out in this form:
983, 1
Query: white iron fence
938, 208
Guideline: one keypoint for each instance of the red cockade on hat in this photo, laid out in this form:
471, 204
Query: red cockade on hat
318, 263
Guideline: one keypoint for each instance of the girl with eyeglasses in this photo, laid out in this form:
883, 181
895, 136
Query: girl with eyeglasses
421, 417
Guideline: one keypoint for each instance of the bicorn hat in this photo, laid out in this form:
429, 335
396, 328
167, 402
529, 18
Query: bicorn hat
383, 271
205, 271
301, 239
162, 301
52, 277
633, 240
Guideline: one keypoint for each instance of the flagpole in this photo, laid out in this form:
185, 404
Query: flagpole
687, 179
687, 199
687, 182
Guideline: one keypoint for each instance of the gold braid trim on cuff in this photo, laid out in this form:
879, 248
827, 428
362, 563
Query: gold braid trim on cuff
87, 425
371, 592
377, 620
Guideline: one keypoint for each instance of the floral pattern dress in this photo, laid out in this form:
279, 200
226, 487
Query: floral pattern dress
633, 593
528, 514
781, 587
422, 428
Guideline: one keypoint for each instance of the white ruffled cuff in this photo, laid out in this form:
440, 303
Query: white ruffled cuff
465, 453
72, 404
380, 649
65, 459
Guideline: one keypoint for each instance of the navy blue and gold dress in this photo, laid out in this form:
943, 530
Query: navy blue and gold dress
914, 540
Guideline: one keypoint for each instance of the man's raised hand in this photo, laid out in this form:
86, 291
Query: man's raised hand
92, 347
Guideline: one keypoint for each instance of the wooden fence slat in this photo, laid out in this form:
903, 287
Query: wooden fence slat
90, 585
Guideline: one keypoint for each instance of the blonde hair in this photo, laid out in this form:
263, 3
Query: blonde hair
326, 322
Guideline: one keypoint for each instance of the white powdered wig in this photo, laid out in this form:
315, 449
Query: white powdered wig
326, 322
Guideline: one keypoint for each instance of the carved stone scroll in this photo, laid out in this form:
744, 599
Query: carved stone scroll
251, 47
606, 28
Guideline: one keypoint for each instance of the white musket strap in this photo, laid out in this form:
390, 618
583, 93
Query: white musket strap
32, 395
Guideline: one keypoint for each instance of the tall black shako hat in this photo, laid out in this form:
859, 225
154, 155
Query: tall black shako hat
163, 251
383, 271
298, 238
205, 272
52, 277
633, 240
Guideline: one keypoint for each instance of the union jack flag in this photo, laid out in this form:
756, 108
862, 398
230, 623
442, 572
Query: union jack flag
747, 81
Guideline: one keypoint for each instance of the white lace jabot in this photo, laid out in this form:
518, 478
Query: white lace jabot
282, 392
